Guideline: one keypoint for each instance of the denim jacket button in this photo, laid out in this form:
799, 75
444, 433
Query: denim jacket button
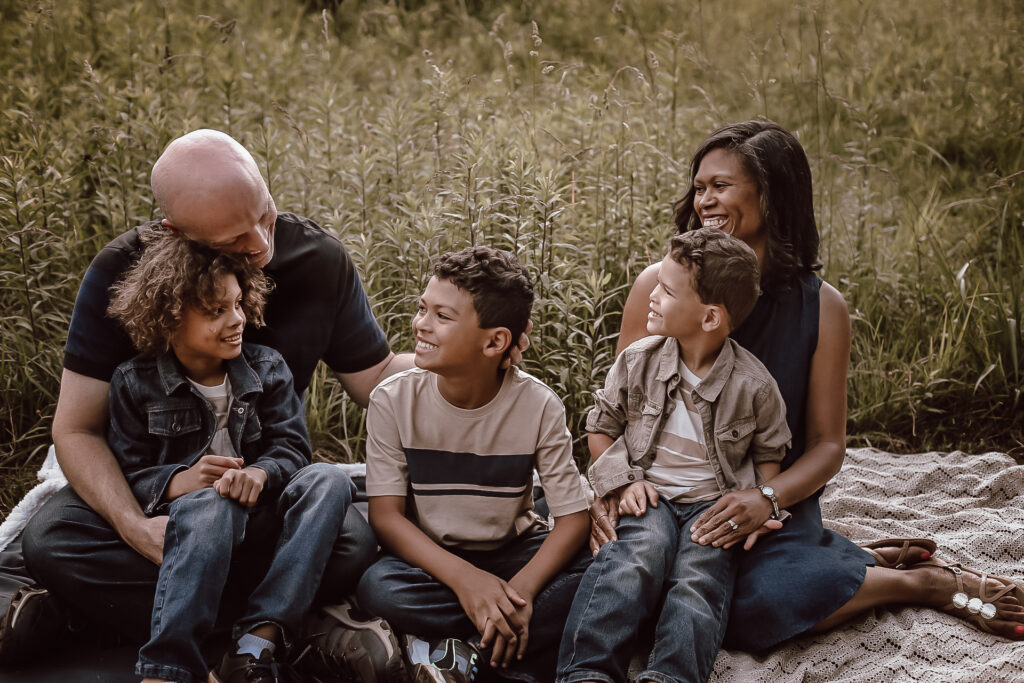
735, 433
175, 427
239, 410
630, 477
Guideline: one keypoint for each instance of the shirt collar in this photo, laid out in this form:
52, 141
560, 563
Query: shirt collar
711, 386
242, 377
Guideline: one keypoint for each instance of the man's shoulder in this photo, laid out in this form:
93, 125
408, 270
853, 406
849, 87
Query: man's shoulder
120, 252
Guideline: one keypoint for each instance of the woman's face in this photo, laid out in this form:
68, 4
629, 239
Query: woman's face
727, 198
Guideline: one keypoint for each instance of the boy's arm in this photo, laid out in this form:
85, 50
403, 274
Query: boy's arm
488, 601
283, 436
135, 449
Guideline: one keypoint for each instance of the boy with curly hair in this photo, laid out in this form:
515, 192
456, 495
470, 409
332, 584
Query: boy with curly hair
209, 431
451, 449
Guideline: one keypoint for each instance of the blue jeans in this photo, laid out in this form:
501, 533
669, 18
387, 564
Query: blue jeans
416, 603
203, 533
653, 563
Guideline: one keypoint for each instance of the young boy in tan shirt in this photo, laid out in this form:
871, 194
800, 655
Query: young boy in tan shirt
451, 450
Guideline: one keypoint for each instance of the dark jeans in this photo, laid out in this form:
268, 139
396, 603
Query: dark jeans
416, 603
652, 569
77, 556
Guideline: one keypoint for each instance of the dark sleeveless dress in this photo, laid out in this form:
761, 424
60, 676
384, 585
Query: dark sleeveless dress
796, 576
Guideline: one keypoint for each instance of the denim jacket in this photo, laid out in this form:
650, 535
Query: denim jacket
742, 412
161, 425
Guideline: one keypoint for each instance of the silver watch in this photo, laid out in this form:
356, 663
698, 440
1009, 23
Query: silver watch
769, 493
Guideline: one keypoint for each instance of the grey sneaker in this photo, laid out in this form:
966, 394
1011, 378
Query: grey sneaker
450, 661
345, 644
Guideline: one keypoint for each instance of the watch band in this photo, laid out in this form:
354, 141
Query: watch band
769, 493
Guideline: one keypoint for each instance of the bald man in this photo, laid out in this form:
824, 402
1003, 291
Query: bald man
91, 545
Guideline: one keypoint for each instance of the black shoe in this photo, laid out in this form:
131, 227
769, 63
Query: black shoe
33, 624
244, 668
344, 644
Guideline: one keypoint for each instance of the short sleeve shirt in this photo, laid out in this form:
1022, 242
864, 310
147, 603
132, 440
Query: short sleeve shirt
317, 310
467, 475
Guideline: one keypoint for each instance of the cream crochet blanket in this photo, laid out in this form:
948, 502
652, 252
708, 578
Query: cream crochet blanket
973, 507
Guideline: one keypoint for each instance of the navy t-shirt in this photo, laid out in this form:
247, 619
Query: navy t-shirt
317, 310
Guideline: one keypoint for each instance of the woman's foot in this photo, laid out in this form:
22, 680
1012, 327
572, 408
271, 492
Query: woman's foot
900, 553
951, 588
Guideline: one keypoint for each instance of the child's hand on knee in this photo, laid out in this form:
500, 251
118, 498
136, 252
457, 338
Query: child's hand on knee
634, 498
204, 473
244, 486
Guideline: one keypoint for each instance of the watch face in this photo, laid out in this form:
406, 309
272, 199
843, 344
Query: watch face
768, 490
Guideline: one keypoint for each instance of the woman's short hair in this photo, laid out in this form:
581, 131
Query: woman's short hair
777, 163
173, 274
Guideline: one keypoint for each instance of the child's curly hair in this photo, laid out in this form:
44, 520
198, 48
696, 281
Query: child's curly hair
175, 273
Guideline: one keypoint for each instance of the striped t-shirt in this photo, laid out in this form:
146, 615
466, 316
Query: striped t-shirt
681, 471
468, 474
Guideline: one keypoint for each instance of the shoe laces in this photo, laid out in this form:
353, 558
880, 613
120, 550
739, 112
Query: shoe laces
263, 671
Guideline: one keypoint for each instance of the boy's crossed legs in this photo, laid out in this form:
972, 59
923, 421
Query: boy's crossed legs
417, 604
652, 564
204, 531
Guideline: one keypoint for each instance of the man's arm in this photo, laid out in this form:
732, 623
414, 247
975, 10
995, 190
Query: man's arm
79, 435
358, 385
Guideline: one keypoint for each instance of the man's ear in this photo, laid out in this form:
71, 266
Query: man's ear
497, 342
167, 224
715, 316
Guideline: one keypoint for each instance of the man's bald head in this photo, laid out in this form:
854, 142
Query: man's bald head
209, 188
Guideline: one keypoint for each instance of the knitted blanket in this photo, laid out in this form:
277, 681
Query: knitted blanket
973, 507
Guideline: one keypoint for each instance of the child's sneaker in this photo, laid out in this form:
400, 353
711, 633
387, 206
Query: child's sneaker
345, 644
244, 668
450, 661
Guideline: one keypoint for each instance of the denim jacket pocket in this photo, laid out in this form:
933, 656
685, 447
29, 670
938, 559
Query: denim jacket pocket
173, 418
734, 439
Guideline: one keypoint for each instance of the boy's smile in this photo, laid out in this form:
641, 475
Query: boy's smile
207, 338
675, 308
447, 330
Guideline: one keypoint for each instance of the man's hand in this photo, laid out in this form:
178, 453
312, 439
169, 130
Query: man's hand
516, 351
148, 539
242, 485
604, 517
205, 472
633, 499
492, 605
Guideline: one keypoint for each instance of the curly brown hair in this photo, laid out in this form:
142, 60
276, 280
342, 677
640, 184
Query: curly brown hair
173, 274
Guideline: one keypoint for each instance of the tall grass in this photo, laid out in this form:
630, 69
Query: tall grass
559, 130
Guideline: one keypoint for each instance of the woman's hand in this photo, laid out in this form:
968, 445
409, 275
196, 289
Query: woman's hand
516, 351
749, 513
604, 517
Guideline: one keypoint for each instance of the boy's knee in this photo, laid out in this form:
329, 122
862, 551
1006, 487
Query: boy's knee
210, 514
328, 483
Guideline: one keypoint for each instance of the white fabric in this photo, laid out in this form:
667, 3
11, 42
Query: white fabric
51, 480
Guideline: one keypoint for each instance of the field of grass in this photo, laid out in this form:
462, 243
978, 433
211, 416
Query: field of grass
561, 130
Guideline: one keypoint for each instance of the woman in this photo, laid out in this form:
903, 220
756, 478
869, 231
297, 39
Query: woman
752, 180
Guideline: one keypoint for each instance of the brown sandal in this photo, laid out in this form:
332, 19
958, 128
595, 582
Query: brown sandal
982, 608
905, 544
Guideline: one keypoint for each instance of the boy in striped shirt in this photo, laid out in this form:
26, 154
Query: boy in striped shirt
451, 449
